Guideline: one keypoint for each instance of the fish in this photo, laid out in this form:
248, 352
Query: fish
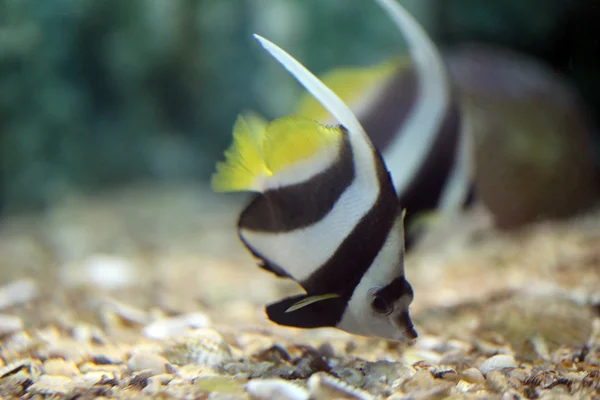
479, 126
412, 114
325, 214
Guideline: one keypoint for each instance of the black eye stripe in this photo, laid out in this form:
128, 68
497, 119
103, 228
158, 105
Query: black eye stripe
396, 289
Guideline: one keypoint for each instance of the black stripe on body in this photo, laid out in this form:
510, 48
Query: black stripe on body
300, 205
383, 119
345, 268
427, 186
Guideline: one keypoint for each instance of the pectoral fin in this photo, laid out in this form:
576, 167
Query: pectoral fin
310, 300
303, 311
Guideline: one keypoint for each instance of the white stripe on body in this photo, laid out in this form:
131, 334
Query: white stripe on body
408, 151
302, 251
302, 170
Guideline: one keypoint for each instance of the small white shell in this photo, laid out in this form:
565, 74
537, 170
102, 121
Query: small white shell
201, 347
496, 362
266, 389
147, 361
50, 385
323, 386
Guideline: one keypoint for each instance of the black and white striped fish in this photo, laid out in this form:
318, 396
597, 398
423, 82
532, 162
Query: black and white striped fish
327, 214
412, 116
481, 125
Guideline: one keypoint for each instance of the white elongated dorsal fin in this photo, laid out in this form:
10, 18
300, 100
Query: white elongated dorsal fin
409, 151
310, 300
322, 93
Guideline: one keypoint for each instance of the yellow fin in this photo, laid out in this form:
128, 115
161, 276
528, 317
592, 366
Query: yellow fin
243, 159
349, 83
289, 140
261, 150
310, 300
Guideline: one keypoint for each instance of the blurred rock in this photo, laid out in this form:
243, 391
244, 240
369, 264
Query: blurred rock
532, 136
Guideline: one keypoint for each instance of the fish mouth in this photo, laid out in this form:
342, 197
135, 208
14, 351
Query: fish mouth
409, 334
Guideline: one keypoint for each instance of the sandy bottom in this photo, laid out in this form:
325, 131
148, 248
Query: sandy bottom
147, 293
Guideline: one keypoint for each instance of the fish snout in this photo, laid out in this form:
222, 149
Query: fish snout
405, 324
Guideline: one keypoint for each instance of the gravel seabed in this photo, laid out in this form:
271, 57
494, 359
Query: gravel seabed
147, 293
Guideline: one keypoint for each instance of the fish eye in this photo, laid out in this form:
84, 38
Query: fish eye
381, 306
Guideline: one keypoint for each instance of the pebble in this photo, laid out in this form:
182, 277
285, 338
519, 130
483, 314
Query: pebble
18, 292
14, 366
267, 389
124, 311
202, 347
384, 371
497, 381
19, 378
519, 374
412, 356
163, 379
496, 362
219, 384
148, 362
102, 270
18, 342
323, 386
447, 374
90, 379
66, 349
153, 388
464, 386
51, 385
356, 378
10, 324
111, 370
227, 396
86, 333
60, 367
170, 327
422, 380
472, 375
